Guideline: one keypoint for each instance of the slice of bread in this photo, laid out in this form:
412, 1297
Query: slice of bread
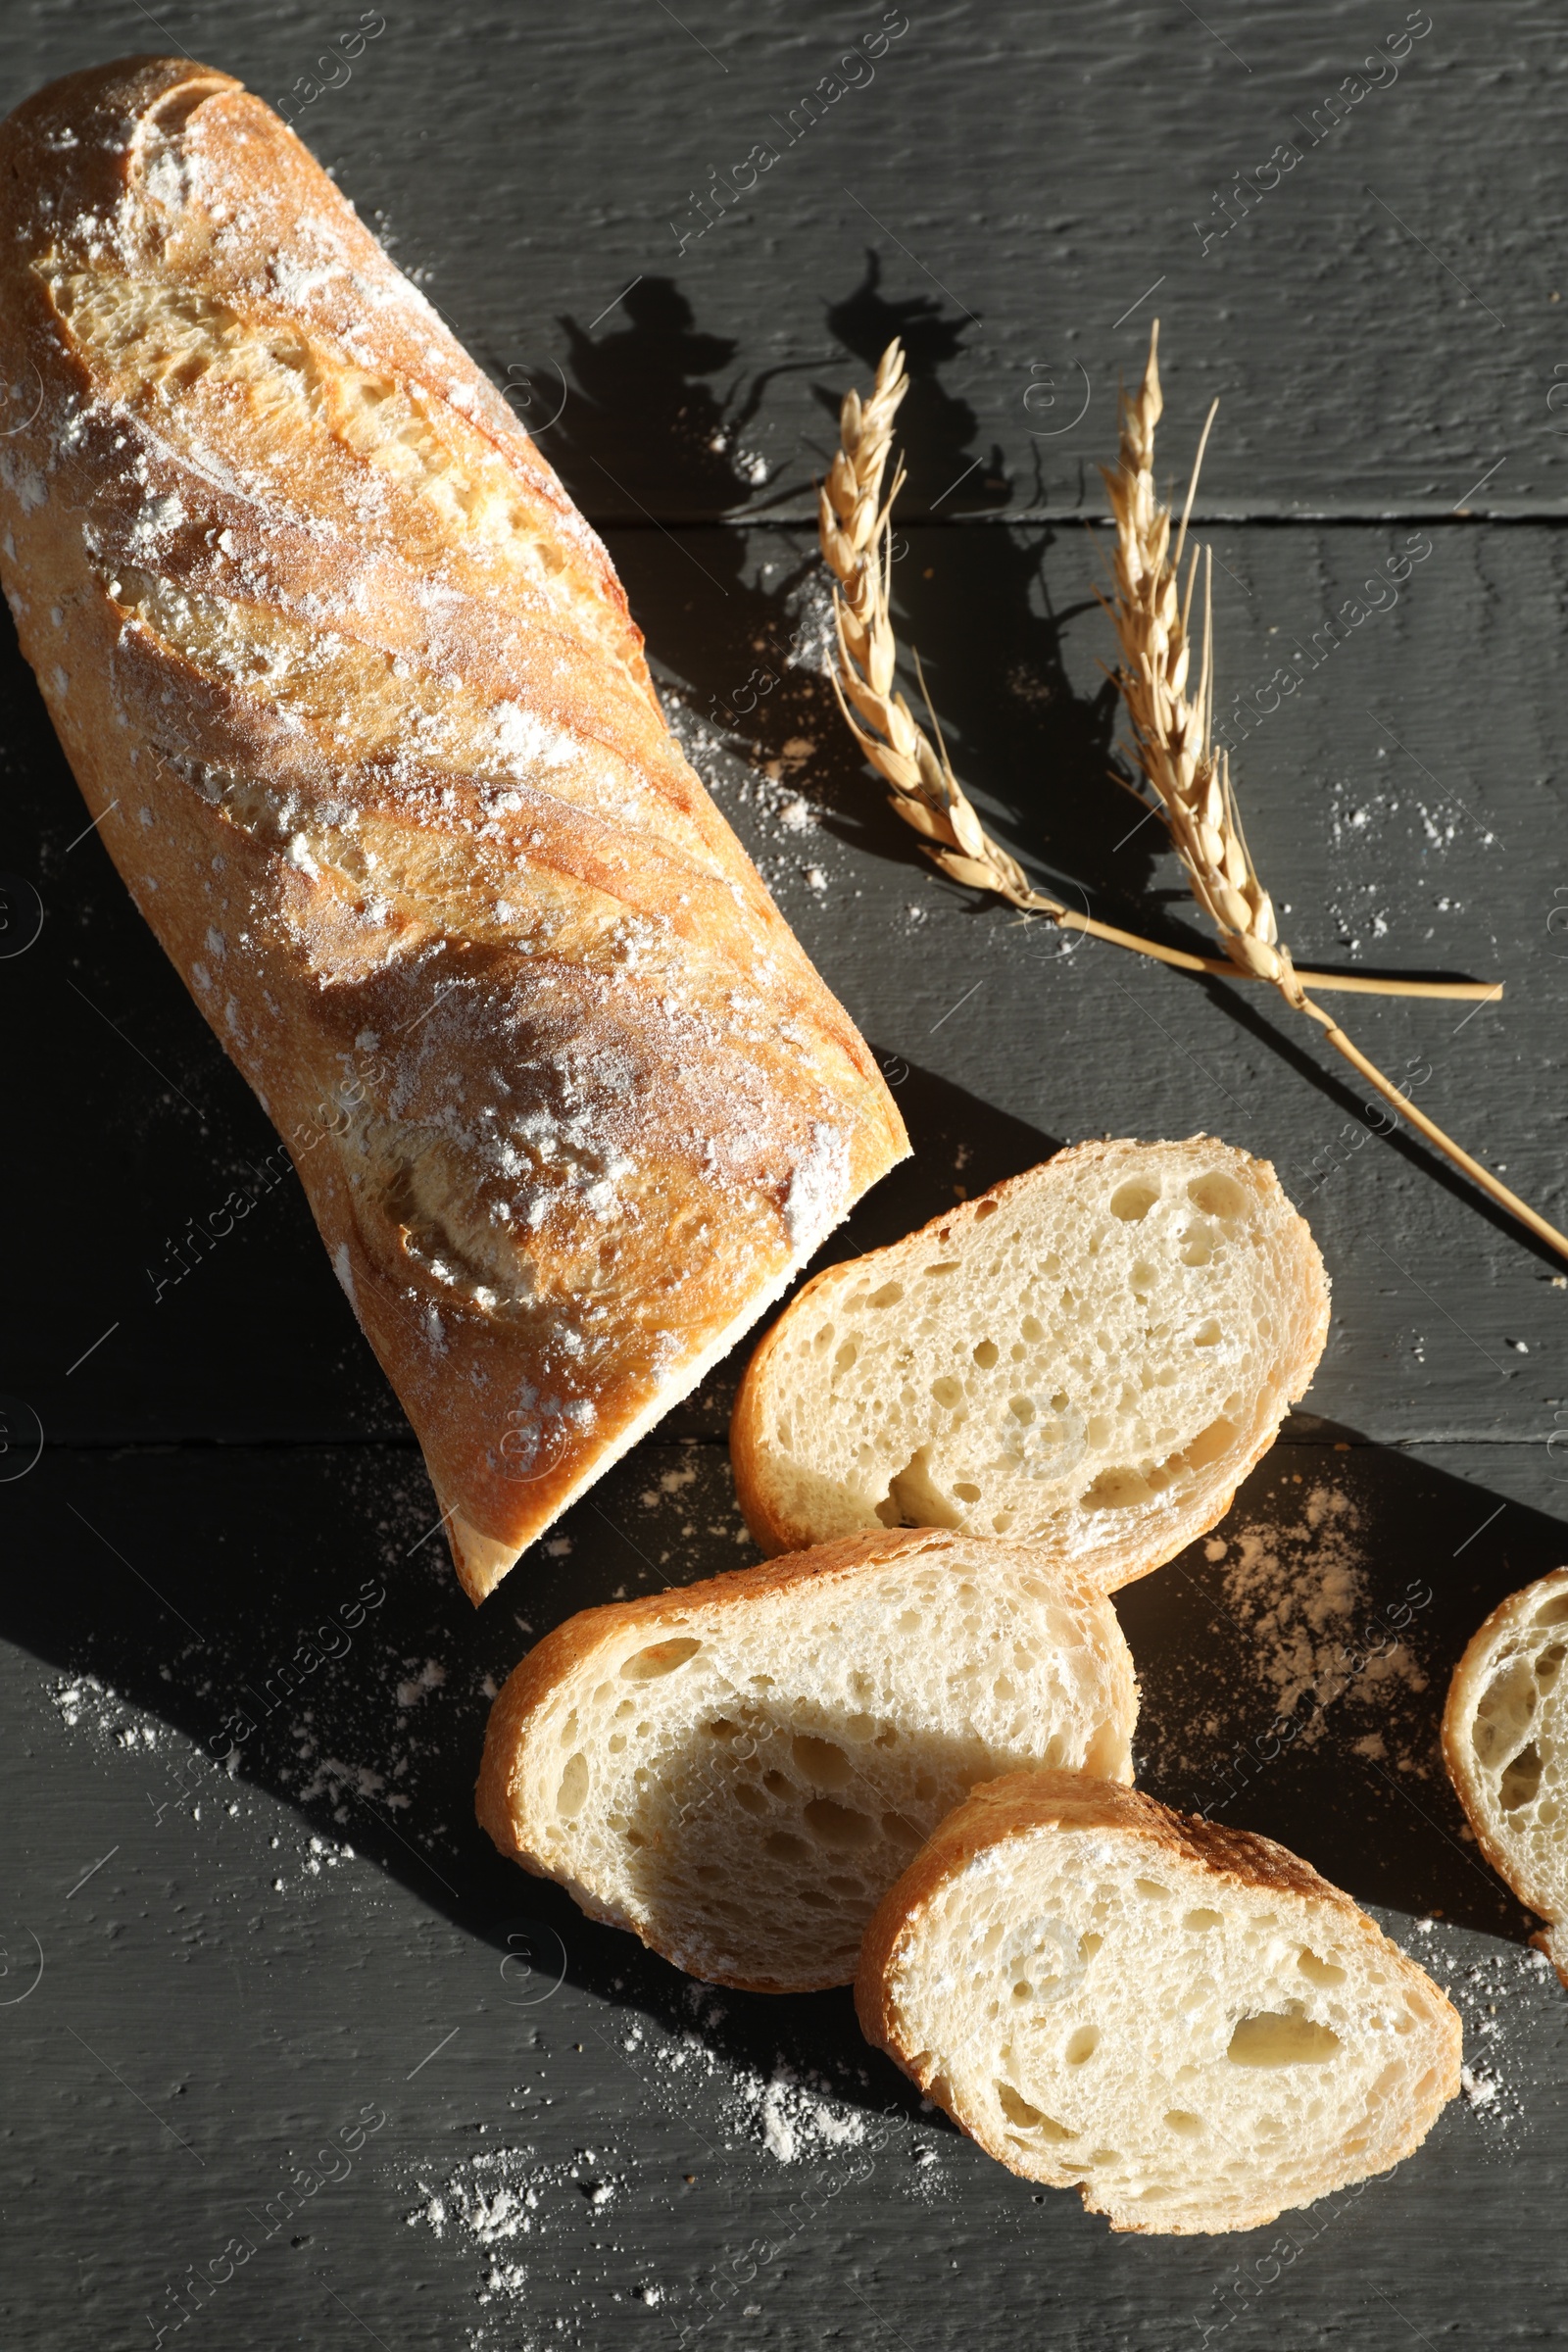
1183, 2022
737, 1771
1505, 1742
1091, 1356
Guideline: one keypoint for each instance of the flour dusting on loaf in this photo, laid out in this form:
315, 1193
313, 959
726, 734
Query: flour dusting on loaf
353, 690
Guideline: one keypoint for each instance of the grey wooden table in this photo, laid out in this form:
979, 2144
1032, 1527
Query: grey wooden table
290, 2056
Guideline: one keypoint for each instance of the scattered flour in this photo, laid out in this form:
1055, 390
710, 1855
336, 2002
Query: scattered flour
795, 2121
1297, 1588
1504, 1993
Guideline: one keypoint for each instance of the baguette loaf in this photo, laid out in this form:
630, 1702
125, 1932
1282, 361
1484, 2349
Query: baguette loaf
737, 1770
1185, 2023
1505, 1742
351, 690
1091, 1356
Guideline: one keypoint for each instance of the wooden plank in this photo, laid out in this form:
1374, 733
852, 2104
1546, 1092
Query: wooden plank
1400, 819
1015, 190
226, 1993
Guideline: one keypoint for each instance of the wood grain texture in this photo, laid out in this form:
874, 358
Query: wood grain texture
256, 1991
1003, 186
227, 1476
1405, 821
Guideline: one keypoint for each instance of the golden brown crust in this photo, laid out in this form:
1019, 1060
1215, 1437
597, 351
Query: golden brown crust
1465, 1691
353, 692
1018, 1806
767, 1514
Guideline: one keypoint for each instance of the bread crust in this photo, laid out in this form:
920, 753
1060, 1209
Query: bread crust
574, 1647
1116, 1563
1017, 1807
1465, 1693
351, 690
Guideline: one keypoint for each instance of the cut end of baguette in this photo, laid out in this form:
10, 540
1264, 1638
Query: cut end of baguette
737, 1770
1184, 2022
1090, 1357
479, 1560
1505, 1744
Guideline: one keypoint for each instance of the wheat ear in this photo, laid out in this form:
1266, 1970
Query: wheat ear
1172, 744
856, 537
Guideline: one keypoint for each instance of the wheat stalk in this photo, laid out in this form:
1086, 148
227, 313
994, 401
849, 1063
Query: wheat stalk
855, 521
1172, 730
1172, 745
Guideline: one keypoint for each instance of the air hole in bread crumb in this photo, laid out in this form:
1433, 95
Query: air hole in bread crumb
985, 1354
837, 1826
1117, 1490
985, 1209
661, 1658
1282, 2037
1319, 1972
1178, 2118
1197, 1921
1207, 1446
573, 1789
1017, 2110
914, 1500
784, 1846
1082, 2045
820, 1762
1131, 1203
1521, 1780
1217, 1195
890, 1295
1207, 1334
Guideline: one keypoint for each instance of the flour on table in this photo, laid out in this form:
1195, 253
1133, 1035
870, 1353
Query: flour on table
1299, 1590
